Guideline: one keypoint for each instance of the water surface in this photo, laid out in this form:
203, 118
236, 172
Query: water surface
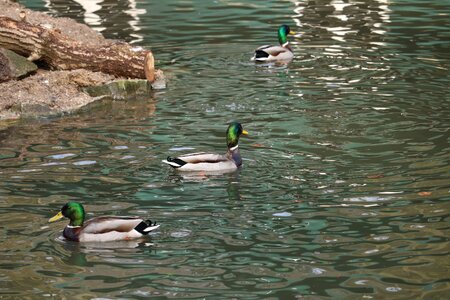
345, 185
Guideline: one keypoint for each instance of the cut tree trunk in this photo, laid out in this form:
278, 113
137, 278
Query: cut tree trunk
47, 44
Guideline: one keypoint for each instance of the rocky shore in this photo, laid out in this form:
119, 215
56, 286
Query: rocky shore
33, 88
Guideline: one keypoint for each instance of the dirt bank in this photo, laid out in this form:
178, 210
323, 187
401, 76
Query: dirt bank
48, 92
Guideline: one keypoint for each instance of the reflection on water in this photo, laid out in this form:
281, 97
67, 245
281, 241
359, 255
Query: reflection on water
117, 19
344, 189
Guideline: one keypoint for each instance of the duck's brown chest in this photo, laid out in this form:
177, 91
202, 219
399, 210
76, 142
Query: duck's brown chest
72, 233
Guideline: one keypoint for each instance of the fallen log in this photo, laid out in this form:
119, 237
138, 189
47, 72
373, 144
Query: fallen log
42, 42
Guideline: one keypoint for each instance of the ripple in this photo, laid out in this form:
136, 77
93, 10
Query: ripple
181, 234
282, 214
61, 156
120, 147
181, 148
84, 162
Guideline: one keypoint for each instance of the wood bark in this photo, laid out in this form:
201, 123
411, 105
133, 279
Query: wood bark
43, 43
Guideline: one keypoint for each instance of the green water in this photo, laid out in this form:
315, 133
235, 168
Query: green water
345, 188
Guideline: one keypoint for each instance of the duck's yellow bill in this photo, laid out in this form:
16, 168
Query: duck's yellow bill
244, 132
292, 32
56, 217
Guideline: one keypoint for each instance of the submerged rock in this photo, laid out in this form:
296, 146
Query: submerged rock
126, 88
120, 89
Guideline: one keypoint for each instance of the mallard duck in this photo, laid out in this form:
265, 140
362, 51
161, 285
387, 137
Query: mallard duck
101, 229
270, 53
213, 162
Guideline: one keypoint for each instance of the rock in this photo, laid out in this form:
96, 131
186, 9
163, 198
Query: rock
14, 66
5, 70
48, 93
127, 88
35, 109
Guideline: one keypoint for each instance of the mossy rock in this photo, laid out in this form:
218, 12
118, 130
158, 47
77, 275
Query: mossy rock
14, 66
120, 89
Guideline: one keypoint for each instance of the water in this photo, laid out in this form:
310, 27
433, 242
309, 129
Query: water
345, 185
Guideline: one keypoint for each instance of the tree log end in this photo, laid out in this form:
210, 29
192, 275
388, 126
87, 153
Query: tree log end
149, 67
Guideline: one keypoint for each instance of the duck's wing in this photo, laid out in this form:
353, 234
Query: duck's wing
269, 52
207, 162
111, 223
263, 47
216, 166
104, 229
195, 158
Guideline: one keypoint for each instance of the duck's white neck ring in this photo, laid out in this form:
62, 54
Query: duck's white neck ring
234, 148
69, 226
285, 44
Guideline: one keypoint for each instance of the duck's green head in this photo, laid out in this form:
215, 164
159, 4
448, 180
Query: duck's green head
234, 131
72, 210
283, 32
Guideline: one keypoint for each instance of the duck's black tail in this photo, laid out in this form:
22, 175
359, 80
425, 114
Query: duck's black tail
145, 227
261, 55
174, 162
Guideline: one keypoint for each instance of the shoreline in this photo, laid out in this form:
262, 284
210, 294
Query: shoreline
52, 92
